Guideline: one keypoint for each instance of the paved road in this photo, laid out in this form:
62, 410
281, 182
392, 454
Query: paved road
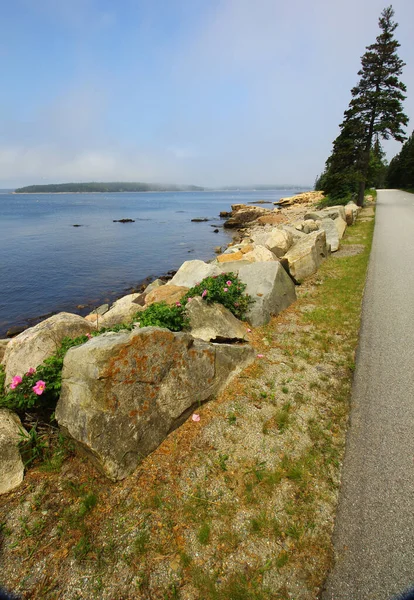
374, 533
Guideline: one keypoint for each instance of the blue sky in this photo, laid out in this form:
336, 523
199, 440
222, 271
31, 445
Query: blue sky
209, 92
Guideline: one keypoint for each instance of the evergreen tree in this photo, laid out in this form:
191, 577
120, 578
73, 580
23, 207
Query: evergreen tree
374, 112
401, 170
377, 170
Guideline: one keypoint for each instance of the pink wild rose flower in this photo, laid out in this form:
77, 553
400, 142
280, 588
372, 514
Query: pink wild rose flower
195, 418
15, 382
204, 294
31, 371
225, 289
228, 283
39, 388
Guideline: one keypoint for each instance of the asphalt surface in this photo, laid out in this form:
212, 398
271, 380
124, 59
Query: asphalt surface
374, 531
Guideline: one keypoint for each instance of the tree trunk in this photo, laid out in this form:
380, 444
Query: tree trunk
361, 193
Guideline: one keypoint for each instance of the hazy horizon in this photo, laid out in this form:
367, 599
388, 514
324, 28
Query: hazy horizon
215, 94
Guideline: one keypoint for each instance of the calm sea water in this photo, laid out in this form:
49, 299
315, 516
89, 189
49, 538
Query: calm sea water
47, 265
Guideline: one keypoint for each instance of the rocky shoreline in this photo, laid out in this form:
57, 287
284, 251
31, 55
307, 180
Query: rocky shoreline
140, 369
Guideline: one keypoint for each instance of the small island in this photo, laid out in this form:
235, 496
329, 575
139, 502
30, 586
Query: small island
105, 187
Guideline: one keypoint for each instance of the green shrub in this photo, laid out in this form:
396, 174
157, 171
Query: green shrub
227, 289
160, 314
23, 398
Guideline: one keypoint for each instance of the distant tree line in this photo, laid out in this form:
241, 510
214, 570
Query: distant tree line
105, 188
401, 170
374, 113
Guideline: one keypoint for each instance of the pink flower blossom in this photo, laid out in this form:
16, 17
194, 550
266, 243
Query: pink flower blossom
195, 418
15, 382
189, 299
178, 304
225, 289
39, 388
228, 283
88, 335
31, 371
204, 294
260, 356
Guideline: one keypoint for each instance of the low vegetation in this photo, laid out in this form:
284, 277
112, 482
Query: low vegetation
236, 505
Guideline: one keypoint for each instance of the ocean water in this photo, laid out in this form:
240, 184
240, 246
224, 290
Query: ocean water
47, 265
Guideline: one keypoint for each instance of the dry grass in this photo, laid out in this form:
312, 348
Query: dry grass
237, 506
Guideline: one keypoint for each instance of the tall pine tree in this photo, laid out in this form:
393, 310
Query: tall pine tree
374, 112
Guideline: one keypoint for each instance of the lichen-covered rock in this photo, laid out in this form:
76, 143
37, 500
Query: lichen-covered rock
305, 257
170, 294
270, 287
273, 218
192, 272
213, 322
123, 393
11, 464
279, 242
32, 346
242, 214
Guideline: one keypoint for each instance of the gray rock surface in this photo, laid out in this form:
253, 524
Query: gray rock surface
11, 464
32, 346
121, 311
305, 257
332, 235
192, 272
296, 235
153, 285
340, 225
213, 322
310, 225
351, 212
270, 287
123, 393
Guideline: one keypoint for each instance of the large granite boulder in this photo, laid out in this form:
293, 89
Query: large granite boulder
351, 212
170, 294
331, 231
3, 346
305, 257
123, 393
32, 346
270, 287
340, 225
11, 464
279, 241
213, 322
192, 272
295, 233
